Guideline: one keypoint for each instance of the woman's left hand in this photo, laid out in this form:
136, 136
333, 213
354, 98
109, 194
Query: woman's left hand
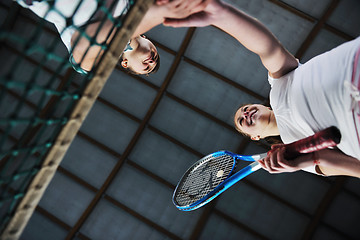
180, 8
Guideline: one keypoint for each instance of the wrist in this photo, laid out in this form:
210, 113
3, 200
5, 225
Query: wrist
315, 158
217, 10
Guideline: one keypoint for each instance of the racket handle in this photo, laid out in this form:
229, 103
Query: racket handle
328, 137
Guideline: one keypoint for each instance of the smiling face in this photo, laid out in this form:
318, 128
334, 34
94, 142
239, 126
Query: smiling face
255, 120
143, 57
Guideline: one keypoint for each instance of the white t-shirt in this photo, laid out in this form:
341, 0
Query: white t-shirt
67, 8
314, 96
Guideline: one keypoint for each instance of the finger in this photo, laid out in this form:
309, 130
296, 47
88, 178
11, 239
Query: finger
270, 161
274, 160
161, 2
262, 164
276, 146
195, 20
275, 167
194, 4
281, 159
288, 166
175, 3
171, 22
188, 3
267, 163
200, 6
186, 8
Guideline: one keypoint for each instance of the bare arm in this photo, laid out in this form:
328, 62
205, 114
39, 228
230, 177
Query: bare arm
333, 162
329, 163
82, 45
247, 30
153, 17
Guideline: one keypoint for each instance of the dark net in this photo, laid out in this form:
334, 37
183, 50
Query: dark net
39, 87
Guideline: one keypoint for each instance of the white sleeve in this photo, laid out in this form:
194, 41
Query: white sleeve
121, 8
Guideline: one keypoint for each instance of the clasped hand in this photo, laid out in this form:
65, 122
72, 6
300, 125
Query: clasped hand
178, 9
275, 161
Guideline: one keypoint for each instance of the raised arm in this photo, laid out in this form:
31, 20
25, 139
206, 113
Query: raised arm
251, 33
153, 17
82, 45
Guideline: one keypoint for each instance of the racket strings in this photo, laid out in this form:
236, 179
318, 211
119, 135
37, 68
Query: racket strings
203, 178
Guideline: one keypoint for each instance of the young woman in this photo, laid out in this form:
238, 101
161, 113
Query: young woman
258, 121
305, 98
139, 57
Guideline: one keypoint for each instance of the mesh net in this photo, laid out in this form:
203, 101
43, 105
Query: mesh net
39, 88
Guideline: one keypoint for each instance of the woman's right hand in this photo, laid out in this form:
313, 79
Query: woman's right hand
275, 161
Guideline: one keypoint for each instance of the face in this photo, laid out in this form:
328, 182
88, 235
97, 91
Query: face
143, 58
253, 120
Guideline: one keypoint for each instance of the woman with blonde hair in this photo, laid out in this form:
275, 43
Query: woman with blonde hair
79, 20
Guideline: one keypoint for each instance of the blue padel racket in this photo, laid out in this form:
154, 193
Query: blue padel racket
215, 173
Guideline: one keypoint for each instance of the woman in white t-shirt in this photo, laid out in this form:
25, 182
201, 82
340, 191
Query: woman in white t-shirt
140, 55
305, 98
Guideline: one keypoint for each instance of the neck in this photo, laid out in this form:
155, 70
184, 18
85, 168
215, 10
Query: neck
272, 128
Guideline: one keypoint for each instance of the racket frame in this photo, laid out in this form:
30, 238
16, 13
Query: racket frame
326, 138
231, 179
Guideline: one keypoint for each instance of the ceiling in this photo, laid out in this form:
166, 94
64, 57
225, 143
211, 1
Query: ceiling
117, 179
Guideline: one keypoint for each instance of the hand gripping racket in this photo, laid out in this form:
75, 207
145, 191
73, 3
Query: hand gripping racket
215, 173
